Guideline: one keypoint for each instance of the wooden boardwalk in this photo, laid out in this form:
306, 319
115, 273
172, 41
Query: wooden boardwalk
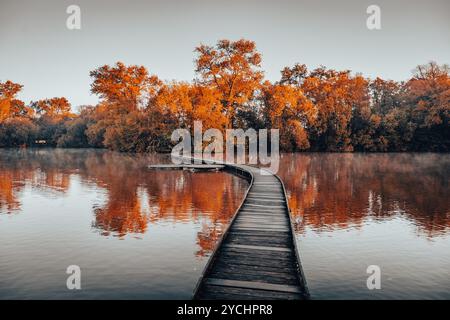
194, 167
257, 257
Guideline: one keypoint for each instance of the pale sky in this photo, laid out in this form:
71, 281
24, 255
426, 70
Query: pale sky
38, 51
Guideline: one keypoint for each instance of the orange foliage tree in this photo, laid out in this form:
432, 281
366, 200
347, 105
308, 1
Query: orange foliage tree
287, 108
125, 119
232, 68
54, 109
16, 126
125, 88
10, 106
427, 95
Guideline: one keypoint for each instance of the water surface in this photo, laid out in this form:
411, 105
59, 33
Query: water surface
134, 232
356, 210
145, 234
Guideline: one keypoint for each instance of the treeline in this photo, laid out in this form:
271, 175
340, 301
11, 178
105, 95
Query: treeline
315, 110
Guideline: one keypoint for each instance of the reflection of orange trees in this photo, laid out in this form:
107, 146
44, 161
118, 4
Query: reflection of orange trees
130, 219
136, 196
328, 191
17, 169
8, 199
208, 237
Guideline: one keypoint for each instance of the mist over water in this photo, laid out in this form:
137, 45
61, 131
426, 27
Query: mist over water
134, 232
355, 210
147, 234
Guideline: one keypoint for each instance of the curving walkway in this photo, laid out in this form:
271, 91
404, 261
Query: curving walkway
257, 257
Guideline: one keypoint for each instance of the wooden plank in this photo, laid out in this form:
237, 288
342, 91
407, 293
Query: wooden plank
281, 242
264, 187
253, 198
250, 242
268, 260
265, 194
263, 202
275, 225
248, 228
242, 267
262, 210
263, 206
230, 293
237, 269
267, 226
260, 276
263, 220
278, 199
253, 285
257, 254
258, 221
229, 245
239, 238
262, 215
261, 234
269, 194
259, 213
187, 166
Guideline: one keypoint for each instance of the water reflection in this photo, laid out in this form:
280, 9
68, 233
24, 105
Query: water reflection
63, 207
135, 196
338, 191
356, 210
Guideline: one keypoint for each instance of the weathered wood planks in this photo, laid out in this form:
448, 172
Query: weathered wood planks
182, 166
257, 256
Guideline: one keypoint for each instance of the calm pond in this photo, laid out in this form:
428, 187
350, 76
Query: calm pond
145, 234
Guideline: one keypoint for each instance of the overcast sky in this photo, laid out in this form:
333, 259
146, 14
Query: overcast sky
38, 51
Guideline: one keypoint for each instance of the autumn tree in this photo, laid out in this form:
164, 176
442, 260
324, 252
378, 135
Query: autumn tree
384, 124
123, 116
124, 88
17, 132
175, 100
10, 106
16, 126
288, 110
186, 103
335, 94
428, 97
50, 116
75, 129
54, 109
386, 95
294, 75
233, 68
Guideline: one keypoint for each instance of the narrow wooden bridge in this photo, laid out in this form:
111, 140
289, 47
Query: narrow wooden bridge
192, 167
257, 256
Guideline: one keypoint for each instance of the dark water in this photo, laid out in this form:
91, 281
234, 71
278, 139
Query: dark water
356, 210
137, 233
134, 232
